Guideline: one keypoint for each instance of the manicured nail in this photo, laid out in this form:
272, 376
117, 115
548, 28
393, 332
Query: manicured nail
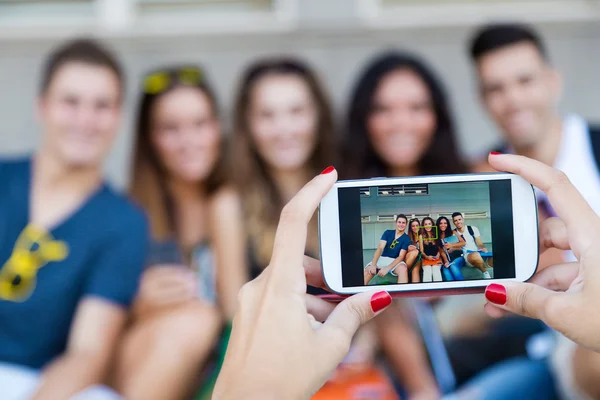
327, 170
495, 153
380, 300
496, 294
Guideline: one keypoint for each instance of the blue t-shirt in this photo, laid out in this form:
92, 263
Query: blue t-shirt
99, 250
393, 245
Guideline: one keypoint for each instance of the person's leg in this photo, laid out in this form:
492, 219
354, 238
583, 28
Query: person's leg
476, 261
436, 272
454, 270
427, 273
401, 271
17, 382
161, 357
447, 274
416, 272
519, 378
411, 257
368, 275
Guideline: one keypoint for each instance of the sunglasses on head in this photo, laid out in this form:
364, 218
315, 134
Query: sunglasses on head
158, 82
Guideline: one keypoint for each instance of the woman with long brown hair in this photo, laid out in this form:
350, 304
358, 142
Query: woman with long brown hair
284, 135
430, 252
399, 124
414, 232
179, 179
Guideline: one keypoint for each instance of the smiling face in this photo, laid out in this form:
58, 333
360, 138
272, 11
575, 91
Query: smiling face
401, 224
185, 134
443, 225
428, 224
414, 226
80, 112
459, 222
402, 122
283, 121
520, 91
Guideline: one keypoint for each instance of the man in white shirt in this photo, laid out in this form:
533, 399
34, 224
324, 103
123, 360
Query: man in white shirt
520, 89
473, 249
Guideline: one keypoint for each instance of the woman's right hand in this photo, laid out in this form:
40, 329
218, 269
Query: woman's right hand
565, 296
163, 286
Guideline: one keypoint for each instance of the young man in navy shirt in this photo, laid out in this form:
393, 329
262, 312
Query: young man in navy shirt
391, 254
71, 249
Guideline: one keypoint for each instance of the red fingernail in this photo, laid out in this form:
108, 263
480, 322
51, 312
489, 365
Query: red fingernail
380, 300
496, 294
495, 153
327, 170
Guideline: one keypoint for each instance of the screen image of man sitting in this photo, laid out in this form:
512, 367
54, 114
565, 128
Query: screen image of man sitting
473, 249
392, 254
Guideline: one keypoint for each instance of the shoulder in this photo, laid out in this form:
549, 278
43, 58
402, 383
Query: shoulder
224, 200
118, 211
475, 229
13, 165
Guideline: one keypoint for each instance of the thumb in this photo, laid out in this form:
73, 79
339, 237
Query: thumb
530, 300
338, 330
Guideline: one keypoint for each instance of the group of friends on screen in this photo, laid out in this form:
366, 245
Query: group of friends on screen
428, 251
109, 294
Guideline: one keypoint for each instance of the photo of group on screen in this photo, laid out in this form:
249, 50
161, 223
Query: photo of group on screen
428, 251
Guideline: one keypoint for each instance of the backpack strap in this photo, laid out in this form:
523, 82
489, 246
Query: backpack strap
594, 132
470, 229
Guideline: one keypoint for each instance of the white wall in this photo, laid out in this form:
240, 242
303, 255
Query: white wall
337, 53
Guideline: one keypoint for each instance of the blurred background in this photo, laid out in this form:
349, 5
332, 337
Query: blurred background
336, 36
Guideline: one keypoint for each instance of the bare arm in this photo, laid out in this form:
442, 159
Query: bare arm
378, 251
479, 243
229, 244
444, 258
586, 370
398, 259
94, 334
405, 352
422, 248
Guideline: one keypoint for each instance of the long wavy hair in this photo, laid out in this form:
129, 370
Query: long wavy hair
262, 201
414, 237
149, 180
447, 233
361, 159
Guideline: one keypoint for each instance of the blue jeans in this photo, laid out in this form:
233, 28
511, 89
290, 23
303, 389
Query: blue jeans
517, 378
452, 273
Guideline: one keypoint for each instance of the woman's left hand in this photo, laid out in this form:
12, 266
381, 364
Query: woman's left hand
278, 348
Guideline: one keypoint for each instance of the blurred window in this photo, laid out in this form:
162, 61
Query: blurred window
211, 6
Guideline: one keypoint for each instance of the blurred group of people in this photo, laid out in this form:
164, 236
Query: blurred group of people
106, 295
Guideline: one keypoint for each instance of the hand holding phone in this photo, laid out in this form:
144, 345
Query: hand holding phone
370, 229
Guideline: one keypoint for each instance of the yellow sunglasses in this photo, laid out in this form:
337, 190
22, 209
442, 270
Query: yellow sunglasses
158, 82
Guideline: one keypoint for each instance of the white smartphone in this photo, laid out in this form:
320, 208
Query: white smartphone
450, 234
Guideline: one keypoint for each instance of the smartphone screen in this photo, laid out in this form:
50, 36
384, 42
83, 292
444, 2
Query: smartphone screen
442, 232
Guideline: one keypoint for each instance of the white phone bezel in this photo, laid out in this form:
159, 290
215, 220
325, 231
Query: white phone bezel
525, 230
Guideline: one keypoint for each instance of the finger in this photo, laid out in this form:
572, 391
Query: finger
493, 311
553, 234
313, 272
566, 200
556, 277
313, 322
338, 330
290, 239
319, 308
556, 309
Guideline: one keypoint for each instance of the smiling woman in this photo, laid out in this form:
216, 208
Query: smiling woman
283, 136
